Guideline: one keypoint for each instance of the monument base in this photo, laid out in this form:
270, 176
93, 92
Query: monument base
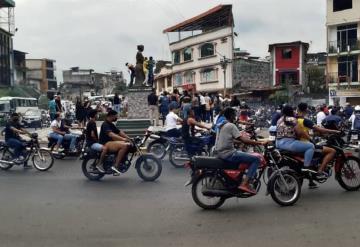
137, 102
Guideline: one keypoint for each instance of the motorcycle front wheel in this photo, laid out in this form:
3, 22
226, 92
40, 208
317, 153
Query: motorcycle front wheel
207, 182
90, 171
148, 167
285, 188
43, 160
349, 175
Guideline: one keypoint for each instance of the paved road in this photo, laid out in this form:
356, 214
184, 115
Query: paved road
62, 208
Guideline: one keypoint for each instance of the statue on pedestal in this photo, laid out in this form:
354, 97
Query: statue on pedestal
139, 70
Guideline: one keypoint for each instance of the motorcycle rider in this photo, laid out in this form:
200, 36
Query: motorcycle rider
113, 140
306, 125
60, 132
288, 131
228, 135
171, 123
92, 137
12, 138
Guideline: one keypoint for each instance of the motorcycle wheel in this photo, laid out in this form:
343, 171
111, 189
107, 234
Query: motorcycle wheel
5, 155
58, 156
43, 160
349, 175
157, 148
203, 182
89, 170
178, 156
280, 194
148, 167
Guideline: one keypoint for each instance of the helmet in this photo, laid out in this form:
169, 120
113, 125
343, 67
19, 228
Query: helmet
357, 108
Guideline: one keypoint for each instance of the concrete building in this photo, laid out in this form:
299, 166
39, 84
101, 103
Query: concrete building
7, 30
41, 74
79, 81
343, 47
198, 46
19, 68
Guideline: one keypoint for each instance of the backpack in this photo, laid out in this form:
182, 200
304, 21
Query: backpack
357, 122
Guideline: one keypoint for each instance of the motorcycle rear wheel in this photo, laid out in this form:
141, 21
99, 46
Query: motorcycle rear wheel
5, 155
348, 170
203, 182
278, 191
178, 156
89, 170
157, 148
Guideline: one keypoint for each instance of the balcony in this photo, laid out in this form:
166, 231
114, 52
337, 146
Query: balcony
343, 80
337, 47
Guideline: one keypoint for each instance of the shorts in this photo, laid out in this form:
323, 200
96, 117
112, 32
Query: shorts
97, 147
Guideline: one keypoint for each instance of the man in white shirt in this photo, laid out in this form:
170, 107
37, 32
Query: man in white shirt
320, 116
202, 107
171, 123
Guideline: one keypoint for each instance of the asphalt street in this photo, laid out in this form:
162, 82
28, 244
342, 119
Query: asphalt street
62, 208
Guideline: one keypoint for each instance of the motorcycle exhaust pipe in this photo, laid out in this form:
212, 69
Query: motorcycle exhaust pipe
216, 193
154, 137
7, 162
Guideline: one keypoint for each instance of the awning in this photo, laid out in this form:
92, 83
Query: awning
7, 3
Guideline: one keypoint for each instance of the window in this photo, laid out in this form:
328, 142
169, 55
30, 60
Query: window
187, 54
178, 79
339, 5
348, 67
188, 77
176, 57
207, 50
347, 36
208, 75
289, 78
287, 53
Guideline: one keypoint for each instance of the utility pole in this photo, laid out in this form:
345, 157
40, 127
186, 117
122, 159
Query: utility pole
224, 62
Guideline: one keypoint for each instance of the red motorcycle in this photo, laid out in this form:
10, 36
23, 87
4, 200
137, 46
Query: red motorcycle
214, 180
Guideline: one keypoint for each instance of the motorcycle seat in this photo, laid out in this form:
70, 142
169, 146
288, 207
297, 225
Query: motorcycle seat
213, 163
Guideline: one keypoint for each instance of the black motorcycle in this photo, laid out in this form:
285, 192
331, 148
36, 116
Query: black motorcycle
42, 159
79, 146
147, 166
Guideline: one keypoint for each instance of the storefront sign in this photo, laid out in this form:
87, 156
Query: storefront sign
344, 93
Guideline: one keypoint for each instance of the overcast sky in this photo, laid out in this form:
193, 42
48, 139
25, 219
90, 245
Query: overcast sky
103, 34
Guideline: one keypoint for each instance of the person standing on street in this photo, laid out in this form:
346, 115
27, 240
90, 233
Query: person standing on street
153, 107
52, 108
117, 103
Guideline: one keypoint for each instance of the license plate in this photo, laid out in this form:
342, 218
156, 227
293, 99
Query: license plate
354, 137
272, 138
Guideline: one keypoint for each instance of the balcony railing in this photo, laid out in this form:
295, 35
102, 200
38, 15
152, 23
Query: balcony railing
342, 46
338, 78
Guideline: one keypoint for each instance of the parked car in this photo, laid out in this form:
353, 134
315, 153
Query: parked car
32, 118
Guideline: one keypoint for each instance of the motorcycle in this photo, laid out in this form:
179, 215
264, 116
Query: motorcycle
346, 165
148, 167
214, 180
181, 152
252, 133
79, 146
159, 146
41, 158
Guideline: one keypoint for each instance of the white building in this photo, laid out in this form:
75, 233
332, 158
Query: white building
343, 43
198, 46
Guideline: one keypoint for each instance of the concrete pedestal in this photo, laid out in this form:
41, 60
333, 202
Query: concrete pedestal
137, 102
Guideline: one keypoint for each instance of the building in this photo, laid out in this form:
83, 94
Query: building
79, 81
7, 30
288, 62
201, 47
41, 74
343, 47
19, 68
163, 79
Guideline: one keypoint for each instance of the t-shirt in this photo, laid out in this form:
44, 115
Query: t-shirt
91, 127
225, 141
56, 124
116, 100
9, 133
171, 120
105, 129
320, 117
275, 118
52, 106
202, 100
